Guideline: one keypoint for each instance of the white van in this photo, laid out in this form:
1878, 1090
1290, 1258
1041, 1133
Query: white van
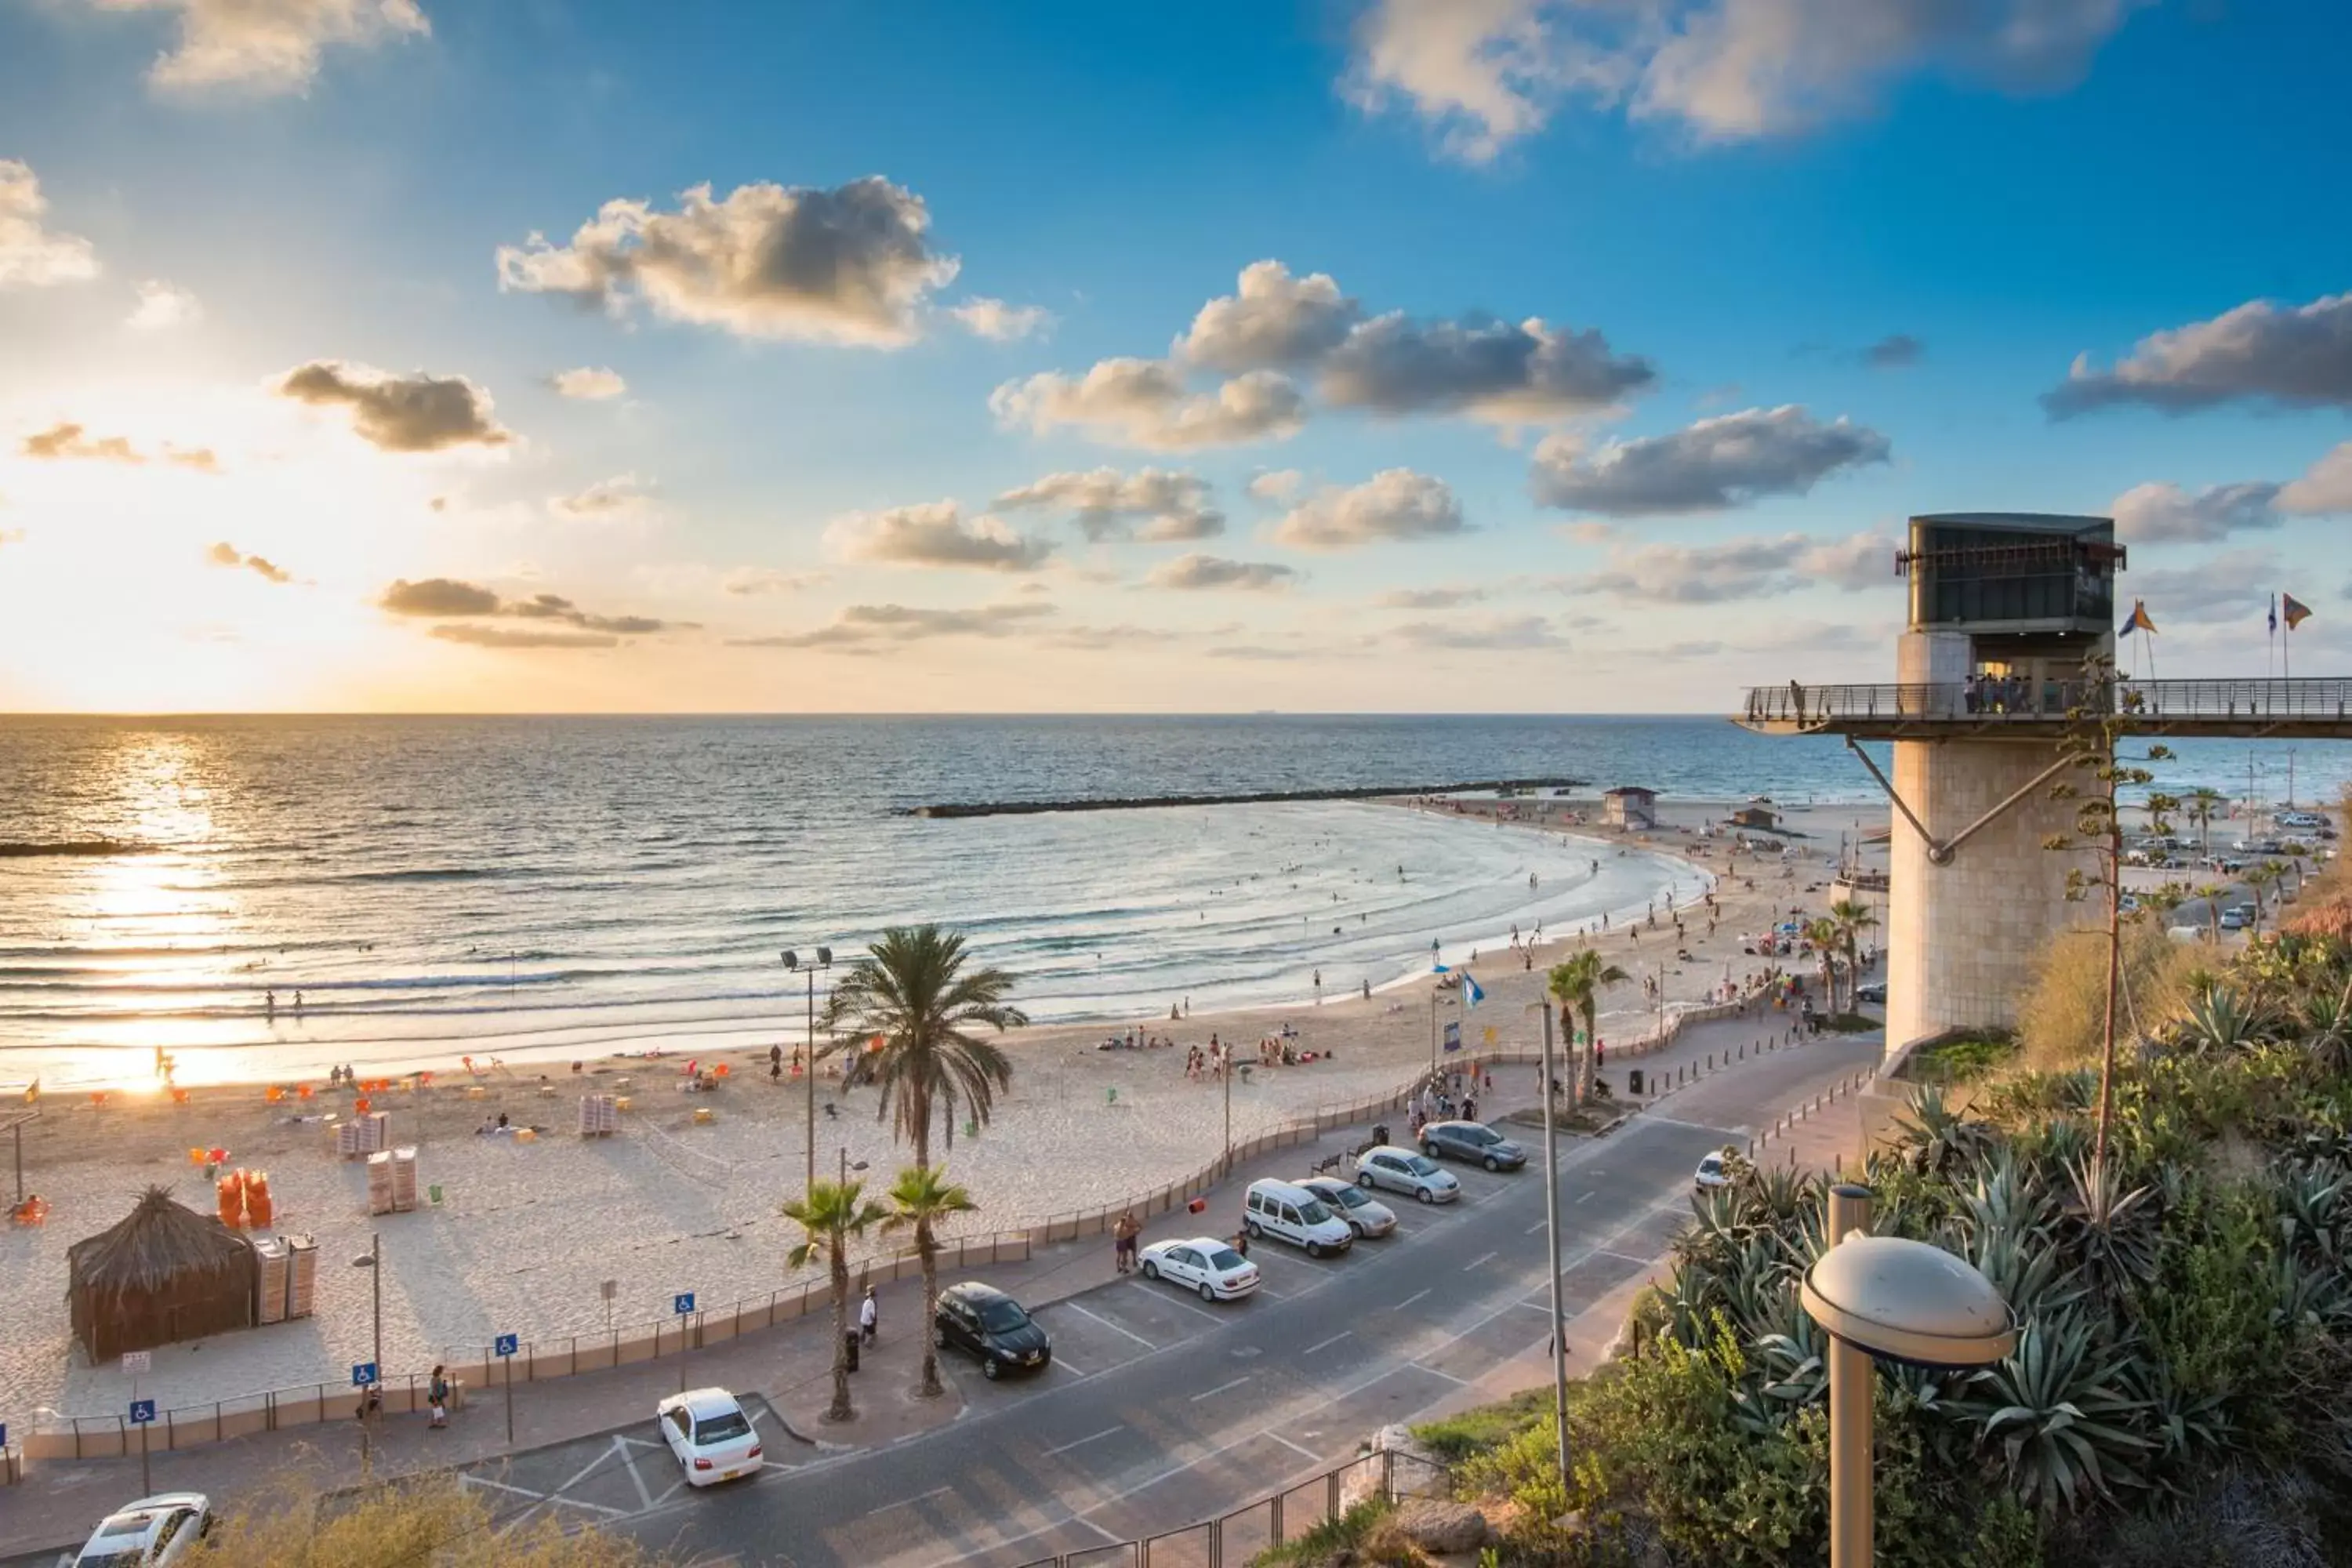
1290, 1213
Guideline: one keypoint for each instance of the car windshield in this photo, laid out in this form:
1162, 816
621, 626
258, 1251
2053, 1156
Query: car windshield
1225, 1260
723, 1428
1350, 1196
1421, 1166
1312, 1212
1003, 1316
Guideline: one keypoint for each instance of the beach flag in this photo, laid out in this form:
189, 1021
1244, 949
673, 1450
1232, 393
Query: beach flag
1471, 994
2274, 615
2138, 621
2295, 610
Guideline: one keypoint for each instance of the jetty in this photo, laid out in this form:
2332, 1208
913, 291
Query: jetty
1255, 797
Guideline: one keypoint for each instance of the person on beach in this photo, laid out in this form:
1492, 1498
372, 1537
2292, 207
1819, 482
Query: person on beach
269, 1005
869, 1317
436, 1393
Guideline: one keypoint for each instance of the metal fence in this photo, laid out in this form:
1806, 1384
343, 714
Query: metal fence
1232, 1540
2043, 702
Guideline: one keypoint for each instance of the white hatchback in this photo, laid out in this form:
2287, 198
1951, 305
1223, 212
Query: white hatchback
710, 1435
1403, 1171
150, 1533
1712, 1173
1349, 1201
1207, 1265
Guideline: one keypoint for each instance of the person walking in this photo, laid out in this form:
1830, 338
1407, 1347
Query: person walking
1122, 1237
436, 1393
869, 1317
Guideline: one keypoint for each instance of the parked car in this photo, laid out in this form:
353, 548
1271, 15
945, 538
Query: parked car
708, 1435
1209, 1266
1874, 993
992, 1327
150, 1533
1352, 1203
1403, 1171
1287, 1211
2235, 919
1711, 1173
1472, 1141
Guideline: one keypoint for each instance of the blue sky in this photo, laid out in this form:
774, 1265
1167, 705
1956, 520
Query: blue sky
1740, 197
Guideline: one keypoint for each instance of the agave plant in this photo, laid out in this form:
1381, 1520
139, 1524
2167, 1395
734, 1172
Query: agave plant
2110, 1232
2192, 1432
1938, 1138
2059, 1409
2222, 1020
2315, 1212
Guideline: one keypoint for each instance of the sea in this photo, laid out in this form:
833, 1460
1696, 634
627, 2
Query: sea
289, 892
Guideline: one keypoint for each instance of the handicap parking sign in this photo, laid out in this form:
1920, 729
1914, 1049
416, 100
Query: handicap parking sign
683, 1303
1453, 1036
363, 1373
142, 1411
508, 1343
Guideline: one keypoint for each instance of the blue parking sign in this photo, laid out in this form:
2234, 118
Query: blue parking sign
363, 1373
3, 1436
683, 1303
508, 1343
142, 1411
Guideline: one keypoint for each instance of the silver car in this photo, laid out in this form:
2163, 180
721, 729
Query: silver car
1351, 1202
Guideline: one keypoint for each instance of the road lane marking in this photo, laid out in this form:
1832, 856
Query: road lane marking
1625, 1256
1063, 1362
1535, 1227
1106, 1431
1409, 1300
1692, 1126
1202, 1313
1113, 1328
1221, 1388
1327, 1344
902, 1502
1543, 1306
1595, 1193
1476, 1262
1307, 1453
1458, 1381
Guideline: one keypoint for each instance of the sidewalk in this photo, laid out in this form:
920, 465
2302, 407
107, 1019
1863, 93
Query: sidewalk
790, 1366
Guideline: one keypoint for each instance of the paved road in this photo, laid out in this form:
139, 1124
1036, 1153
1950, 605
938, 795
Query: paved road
1160, 1410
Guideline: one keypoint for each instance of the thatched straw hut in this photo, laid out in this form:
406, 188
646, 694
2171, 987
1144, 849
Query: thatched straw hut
164, 1274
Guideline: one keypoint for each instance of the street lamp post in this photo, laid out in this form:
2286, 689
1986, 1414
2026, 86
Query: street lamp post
808, 1052
1552, 1241
1883, 1296
371, 1398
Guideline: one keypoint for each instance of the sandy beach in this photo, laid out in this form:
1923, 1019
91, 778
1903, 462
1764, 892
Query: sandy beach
529, 1231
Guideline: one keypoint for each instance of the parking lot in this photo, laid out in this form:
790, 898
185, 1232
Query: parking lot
611, 1476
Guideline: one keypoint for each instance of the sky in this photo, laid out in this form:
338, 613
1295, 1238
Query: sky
1329, 355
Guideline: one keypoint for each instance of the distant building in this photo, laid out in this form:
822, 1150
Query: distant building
1630, 806
1762, 816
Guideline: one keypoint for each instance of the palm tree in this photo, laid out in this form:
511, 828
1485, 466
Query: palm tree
2202, 805
2161, 901
2213, 893
1823, 933
1851, 918
918, 1198
2261, 878
1576, 985
830, 1216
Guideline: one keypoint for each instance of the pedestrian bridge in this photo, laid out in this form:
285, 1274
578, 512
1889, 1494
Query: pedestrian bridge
2311, 709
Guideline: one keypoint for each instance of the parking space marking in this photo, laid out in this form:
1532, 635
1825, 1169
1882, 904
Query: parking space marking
1115, 1328
1304, 1453
1097, 1438
1327, 1344
1221, 1388
1624, 1256
1062, 1361
1202, 1312
902, 1502
1476, 1262
1594, 1193
1458, 1381
1409, 1300
1535, 1227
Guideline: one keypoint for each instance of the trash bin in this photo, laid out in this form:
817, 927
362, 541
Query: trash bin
1633, 1080
850, 1339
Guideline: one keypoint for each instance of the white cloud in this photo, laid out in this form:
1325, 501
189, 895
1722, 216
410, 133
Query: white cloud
1154, 505
746, 580
1270, 322
933, 533
1752, 567
2158, 513
33, 255
1191, 572
2234, 585
622, 495
416, 413
1494, 633
1714, 464
1145, 403
861, 624
852, 265
998, 321
1429, 598
2326, 488
2300, 357
162, 306
589, 383
1394, 504
267, 45
1487, 72
1280, 486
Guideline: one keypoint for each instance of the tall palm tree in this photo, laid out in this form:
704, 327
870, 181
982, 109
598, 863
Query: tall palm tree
1576, 985
830, 1217
919, 1198
2213, 893
2260, 879
1853, 918
2204, 805
1823, 933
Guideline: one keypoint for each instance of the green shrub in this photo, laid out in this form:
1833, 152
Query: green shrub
1346, 1531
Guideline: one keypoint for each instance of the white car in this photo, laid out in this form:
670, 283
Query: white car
150, 1533
1403, 1171
1204, 1264
710, 1435
1350, 1203
1711, 1173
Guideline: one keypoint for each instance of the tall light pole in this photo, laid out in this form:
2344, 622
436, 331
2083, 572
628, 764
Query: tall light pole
1551, 1238
808, 1053
371, 1398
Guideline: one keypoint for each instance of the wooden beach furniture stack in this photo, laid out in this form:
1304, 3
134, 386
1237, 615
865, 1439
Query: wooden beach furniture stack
288, 1281
391, 1180
600, 1115
363, 1135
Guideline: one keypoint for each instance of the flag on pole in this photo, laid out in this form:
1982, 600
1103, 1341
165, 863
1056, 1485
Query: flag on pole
2274, 615
1471, 994
2294, 610
2138, 621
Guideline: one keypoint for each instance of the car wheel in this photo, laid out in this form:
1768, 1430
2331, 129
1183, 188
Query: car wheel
1208, 1292
1314, 1249
1150, 1269
1252, 1227
1429, 1150
1364, 1180
940, 1338
1425, 1194
990, 1370
1493, 1163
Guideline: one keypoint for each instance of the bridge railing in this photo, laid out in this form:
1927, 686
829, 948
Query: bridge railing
2043, 702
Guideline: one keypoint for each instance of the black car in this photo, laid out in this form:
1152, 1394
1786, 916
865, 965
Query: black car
994, 1327
1874, 993
1473, 1140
